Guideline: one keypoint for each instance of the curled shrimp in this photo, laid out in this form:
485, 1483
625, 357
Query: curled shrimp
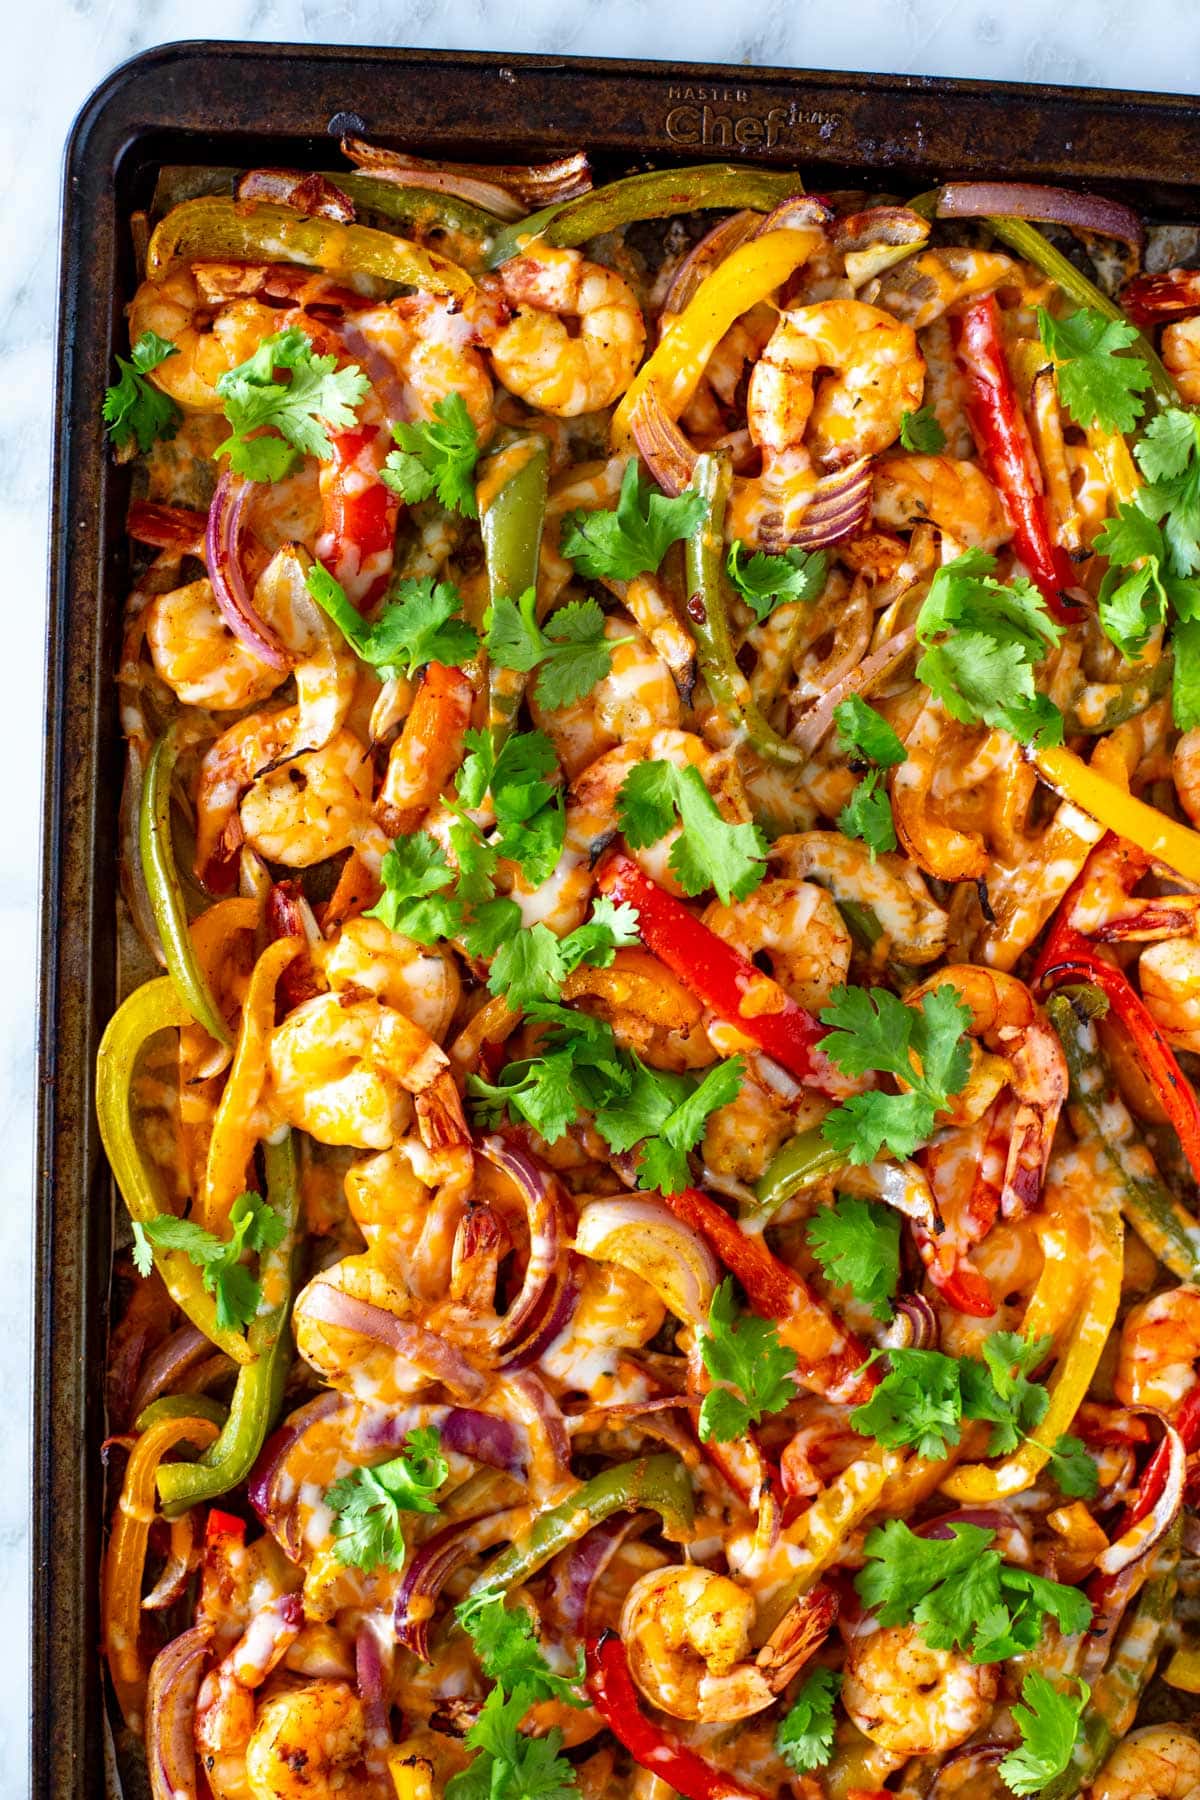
1170, 980
407, 1201
419, 981
957, 496
225, 1705
688, 1632
1159, 1350
197, 655
1159, 1762
343, 1070
913, 924
311, 1744
635, 699
1181, 353
310, 806
208, 343
910, 1699
419, 350
558, 293
796, 926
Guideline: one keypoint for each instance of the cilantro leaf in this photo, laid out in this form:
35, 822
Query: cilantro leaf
534, 964
663, 1160
633, 540
998, 1389
917, 1403
437, 456
926, 1046
417, 624
804, 1737
510, 1766
134, 409
1049, 1725
366, 1504
857, 1244
743, 1351
1073, 1469
1133, 601
506, 1644
709, 852
413, 870
1185, 682
766, 582
983, 638
254, 1225
143, 1252
573, 650
1096, 384
1169, 457
868, 815
921, 432
316, 399
866, 734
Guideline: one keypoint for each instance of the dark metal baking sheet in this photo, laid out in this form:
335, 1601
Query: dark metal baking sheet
226, 104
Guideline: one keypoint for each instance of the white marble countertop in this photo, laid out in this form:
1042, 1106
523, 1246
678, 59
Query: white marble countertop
57, 52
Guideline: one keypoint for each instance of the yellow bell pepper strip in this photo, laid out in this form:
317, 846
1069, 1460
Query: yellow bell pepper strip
235, 1130
1183, 1670
704, 564
157, 851
258, 1392
818, 1538
662, 194
1096, 1110
512, 493
217, 229
750, 274
980, 1484
125, 1559
1163, 839
154, 1007
1116, 1693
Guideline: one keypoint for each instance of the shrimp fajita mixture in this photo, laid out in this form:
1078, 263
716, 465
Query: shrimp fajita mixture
655, 1093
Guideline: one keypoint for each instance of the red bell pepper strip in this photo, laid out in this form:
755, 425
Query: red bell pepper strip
360, 514
1150, 299
1154, 1475
720, 976
830, 1357
1002, 438
615, 1698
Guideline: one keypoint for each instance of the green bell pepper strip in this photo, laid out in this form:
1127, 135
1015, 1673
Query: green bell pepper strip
1116, 1694
259, 1390
803, 1161
419, 208
659, 195
1130, 697
157, 850
708, 615
512, 510
216, 228
181, 1406
154, 1007
659, 1483
1096, 1110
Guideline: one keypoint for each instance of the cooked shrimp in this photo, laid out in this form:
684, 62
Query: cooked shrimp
428, 751
419, 350
913, 1700
1181, 353
1160, 1347
310, 807
957, 496
311, 1744
913, 924
420, 982
635, 699
650, 1010
688, 1633
208, 342
877, 376
1170, 978
225, 1704
797, 927
577, 337
926, 286
1185, 770
342, 1069
197, 655
1159, 1762
407, 1201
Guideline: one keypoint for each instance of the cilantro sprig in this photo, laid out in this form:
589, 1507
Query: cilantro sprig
297, 414
436, 456
135, 411
857, 1244
1169, 457
1140, 591
633, 539
368, 1532
921, 432
804, 1737
254, 1226
766, 582
983, 640
1049, 1726
417, 624
709, 852
1096, 383
532, 965
508, 1765
504, 1640
874, 1032
571, 653
961, 1594
755, 1371
867, 738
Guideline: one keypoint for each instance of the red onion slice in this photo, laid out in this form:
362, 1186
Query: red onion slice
573, 1575
802, 212
556, 1318
661, 443
546, 1429
839, 508
1046, 205
223, 555
167, 1368
433, 1565
177, 1570
915, 1325
175, 1676
425, 1350
311, 194
1145, 1533
485, 1439
988, 1518
275, 1479
373, 1660
817, 722
534, 184
540, 1191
